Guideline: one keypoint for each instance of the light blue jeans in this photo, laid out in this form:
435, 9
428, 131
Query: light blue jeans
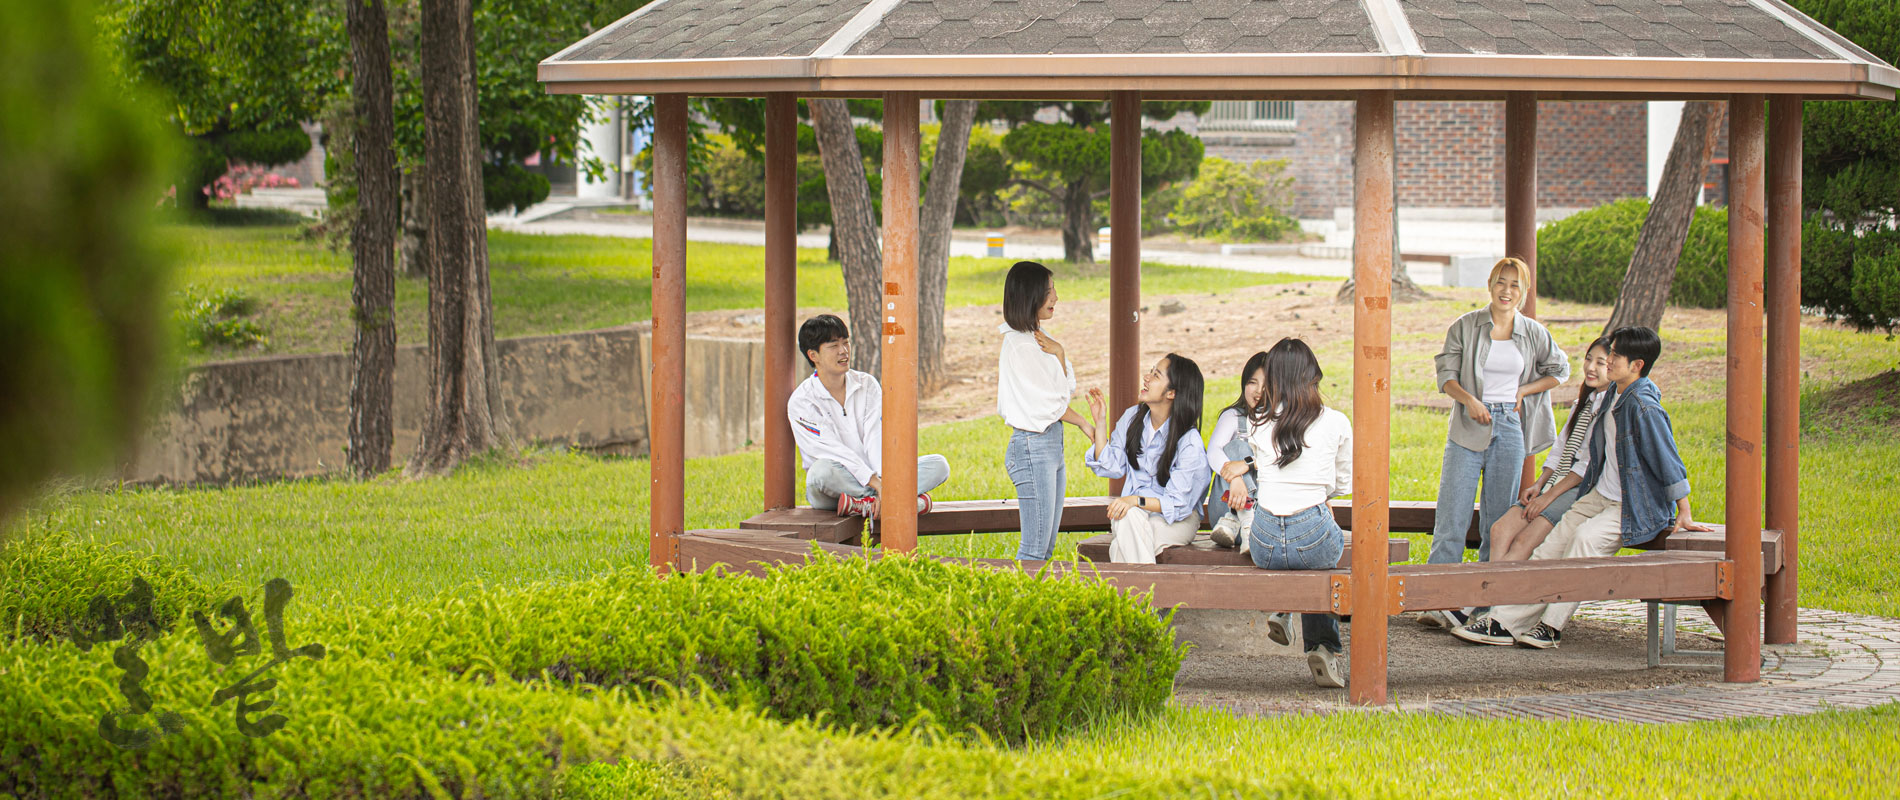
828, 480
1035, 465
1309, 539
1500, 466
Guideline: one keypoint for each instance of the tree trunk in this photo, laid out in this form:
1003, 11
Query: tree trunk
372, 241
939, 214
1652, 267
854, 227
460, 416
415, 224
1078, 224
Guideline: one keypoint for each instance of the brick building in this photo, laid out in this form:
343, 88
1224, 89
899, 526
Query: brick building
1450, 154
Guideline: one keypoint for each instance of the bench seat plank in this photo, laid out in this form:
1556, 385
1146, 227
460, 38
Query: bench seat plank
1095, 548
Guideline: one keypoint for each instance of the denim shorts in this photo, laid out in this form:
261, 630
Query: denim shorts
1555, 511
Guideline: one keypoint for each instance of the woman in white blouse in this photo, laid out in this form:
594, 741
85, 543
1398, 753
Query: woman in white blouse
1302, 458
1034, 385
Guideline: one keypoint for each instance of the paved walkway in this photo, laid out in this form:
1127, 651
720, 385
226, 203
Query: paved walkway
1843, 661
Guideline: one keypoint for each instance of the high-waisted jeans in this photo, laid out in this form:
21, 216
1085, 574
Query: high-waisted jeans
1035, 465
1309, 539
1500, 465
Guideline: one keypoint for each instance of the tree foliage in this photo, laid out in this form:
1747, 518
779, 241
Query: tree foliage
1850, 251
79, 282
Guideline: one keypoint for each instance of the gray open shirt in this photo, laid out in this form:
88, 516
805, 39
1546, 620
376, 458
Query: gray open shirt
1468, 344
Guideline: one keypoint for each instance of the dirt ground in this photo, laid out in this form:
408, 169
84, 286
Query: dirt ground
1221, 329
1426, 664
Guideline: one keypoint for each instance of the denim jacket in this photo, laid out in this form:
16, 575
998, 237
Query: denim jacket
1654, 477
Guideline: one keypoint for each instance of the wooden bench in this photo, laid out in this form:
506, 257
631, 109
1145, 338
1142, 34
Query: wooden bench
1204, 552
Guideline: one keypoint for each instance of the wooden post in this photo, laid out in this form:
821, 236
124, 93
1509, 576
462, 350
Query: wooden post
1124, 256
1373, 174
782, 361
667, 412
1520, 209
1741, 660
897, 507
1783, 298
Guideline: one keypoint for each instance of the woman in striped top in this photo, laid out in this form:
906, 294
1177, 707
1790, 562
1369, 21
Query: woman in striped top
1524, 527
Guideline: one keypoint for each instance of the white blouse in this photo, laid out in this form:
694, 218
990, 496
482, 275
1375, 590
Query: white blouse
1033, 388
1323, 470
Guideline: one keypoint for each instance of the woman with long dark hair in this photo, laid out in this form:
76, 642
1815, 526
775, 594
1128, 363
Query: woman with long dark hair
1156, 447
1542, 504
1302, 458
1227, 453
1034, 385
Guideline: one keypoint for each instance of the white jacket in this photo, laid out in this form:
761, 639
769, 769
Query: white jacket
851, 434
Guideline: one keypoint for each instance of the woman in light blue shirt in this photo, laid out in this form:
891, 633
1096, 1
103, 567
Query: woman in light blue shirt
1156, 446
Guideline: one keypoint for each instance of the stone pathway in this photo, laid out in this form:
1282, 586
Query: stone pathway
1843, 661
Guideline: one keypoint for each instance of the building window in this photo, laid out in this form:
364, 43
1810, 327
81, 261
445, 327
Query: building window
1249, 115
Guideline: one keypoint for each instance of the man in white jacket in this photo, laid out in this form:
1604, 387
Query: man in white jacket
837, 418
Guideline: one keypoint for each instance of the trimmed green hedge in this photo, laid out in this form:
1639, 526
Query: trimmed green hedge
858, 642
1583, 257
48, 580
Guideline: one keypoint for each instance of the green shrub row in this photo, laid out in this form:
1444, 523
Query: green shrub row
856, 642
1583, 257
49, 582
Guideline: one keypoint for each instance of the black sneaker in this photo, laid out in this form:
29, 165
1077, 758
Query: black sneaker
1484, 630
1542, 637
1448, 620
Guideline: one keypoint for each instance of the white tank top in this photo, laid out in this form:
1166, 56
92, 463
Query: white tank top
1502, 366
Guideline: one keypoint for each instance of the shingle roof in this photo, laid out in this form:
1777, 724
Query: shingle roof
1219, 47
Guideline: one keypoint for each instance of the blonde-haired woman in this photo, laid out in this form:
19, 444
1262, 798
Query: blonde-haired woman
1499, 366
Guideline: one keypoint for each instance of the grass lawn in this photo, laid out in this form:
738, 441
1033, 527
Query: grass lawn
555, 284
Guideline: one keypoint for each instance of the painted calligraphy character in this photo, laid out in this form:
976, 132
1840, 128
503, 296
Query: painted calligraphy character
223, 648
131, 618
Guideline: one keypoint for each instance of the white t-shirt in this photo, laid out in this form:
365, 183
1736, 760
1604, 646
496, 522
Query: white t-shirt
1323, 470
1503, 365
1033, 389
1610, 484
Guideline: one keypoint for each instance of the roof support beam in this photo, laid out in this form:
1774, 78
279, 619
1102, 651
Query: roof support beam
667, 417
781, 295
1374, 173
1783, 296
897, 509
1520, 209
1124, 255
1741, 662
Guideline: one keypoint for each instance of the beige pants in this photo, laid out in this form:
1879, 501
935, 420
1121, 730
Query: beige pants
1593, 527
1140, 536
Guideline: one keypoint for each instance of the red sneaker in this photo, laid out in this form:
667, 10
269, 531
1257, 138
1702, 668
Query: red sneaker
849, 506
923, 503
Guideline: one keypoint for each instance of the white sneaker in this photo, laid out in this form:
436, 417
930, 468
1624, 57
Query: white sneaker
1279, 631
1325, 666
1226, 532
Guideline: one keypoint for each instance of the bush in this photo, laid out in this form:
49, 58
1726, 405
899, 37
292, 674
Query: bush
48, 580
1583, 257
856, 642
208, 319
1237, 202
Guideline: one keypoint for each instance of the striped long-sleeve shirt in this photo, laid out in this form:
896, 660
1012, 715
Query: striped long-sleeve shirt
1579, 436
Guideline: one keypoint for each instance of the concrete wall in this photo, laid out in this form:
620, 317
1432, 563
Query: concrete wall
287, 416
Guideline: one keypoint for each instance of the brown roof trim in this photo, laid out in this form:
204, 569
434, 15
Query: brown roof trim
1196, 74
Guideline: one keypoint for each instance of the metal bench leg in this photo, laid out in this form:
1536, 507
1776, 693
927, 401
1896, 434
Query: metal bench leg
1655, 650
1669, 630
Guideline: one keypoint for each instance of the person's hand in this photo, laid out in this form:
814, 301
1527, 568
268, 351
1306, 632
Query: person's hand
1686, 523
1536, 506
1098, 405
1050, 346
1234, 470
1237, 494
1119, 507
1530, 492
1478, 412
876, 484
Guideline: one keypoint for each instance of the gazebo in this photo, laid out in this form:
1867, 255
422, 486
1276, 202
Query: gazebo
1761, 56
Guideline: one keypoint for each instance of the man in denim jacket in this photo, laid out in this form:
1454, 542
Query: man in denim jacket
1635, 488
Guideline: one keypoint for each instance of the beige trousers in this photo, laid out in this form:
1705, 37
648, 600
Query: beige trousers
1140, 536
1592, 527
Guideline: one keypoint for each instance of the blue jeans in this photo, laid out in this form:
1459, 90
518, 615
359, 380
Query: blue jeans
1501, 466
1309, 539
1034, 461
828, 480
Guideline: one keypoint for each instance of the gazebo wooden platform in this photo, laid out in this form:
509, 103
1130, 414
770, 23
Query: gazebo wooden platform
1761, 56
